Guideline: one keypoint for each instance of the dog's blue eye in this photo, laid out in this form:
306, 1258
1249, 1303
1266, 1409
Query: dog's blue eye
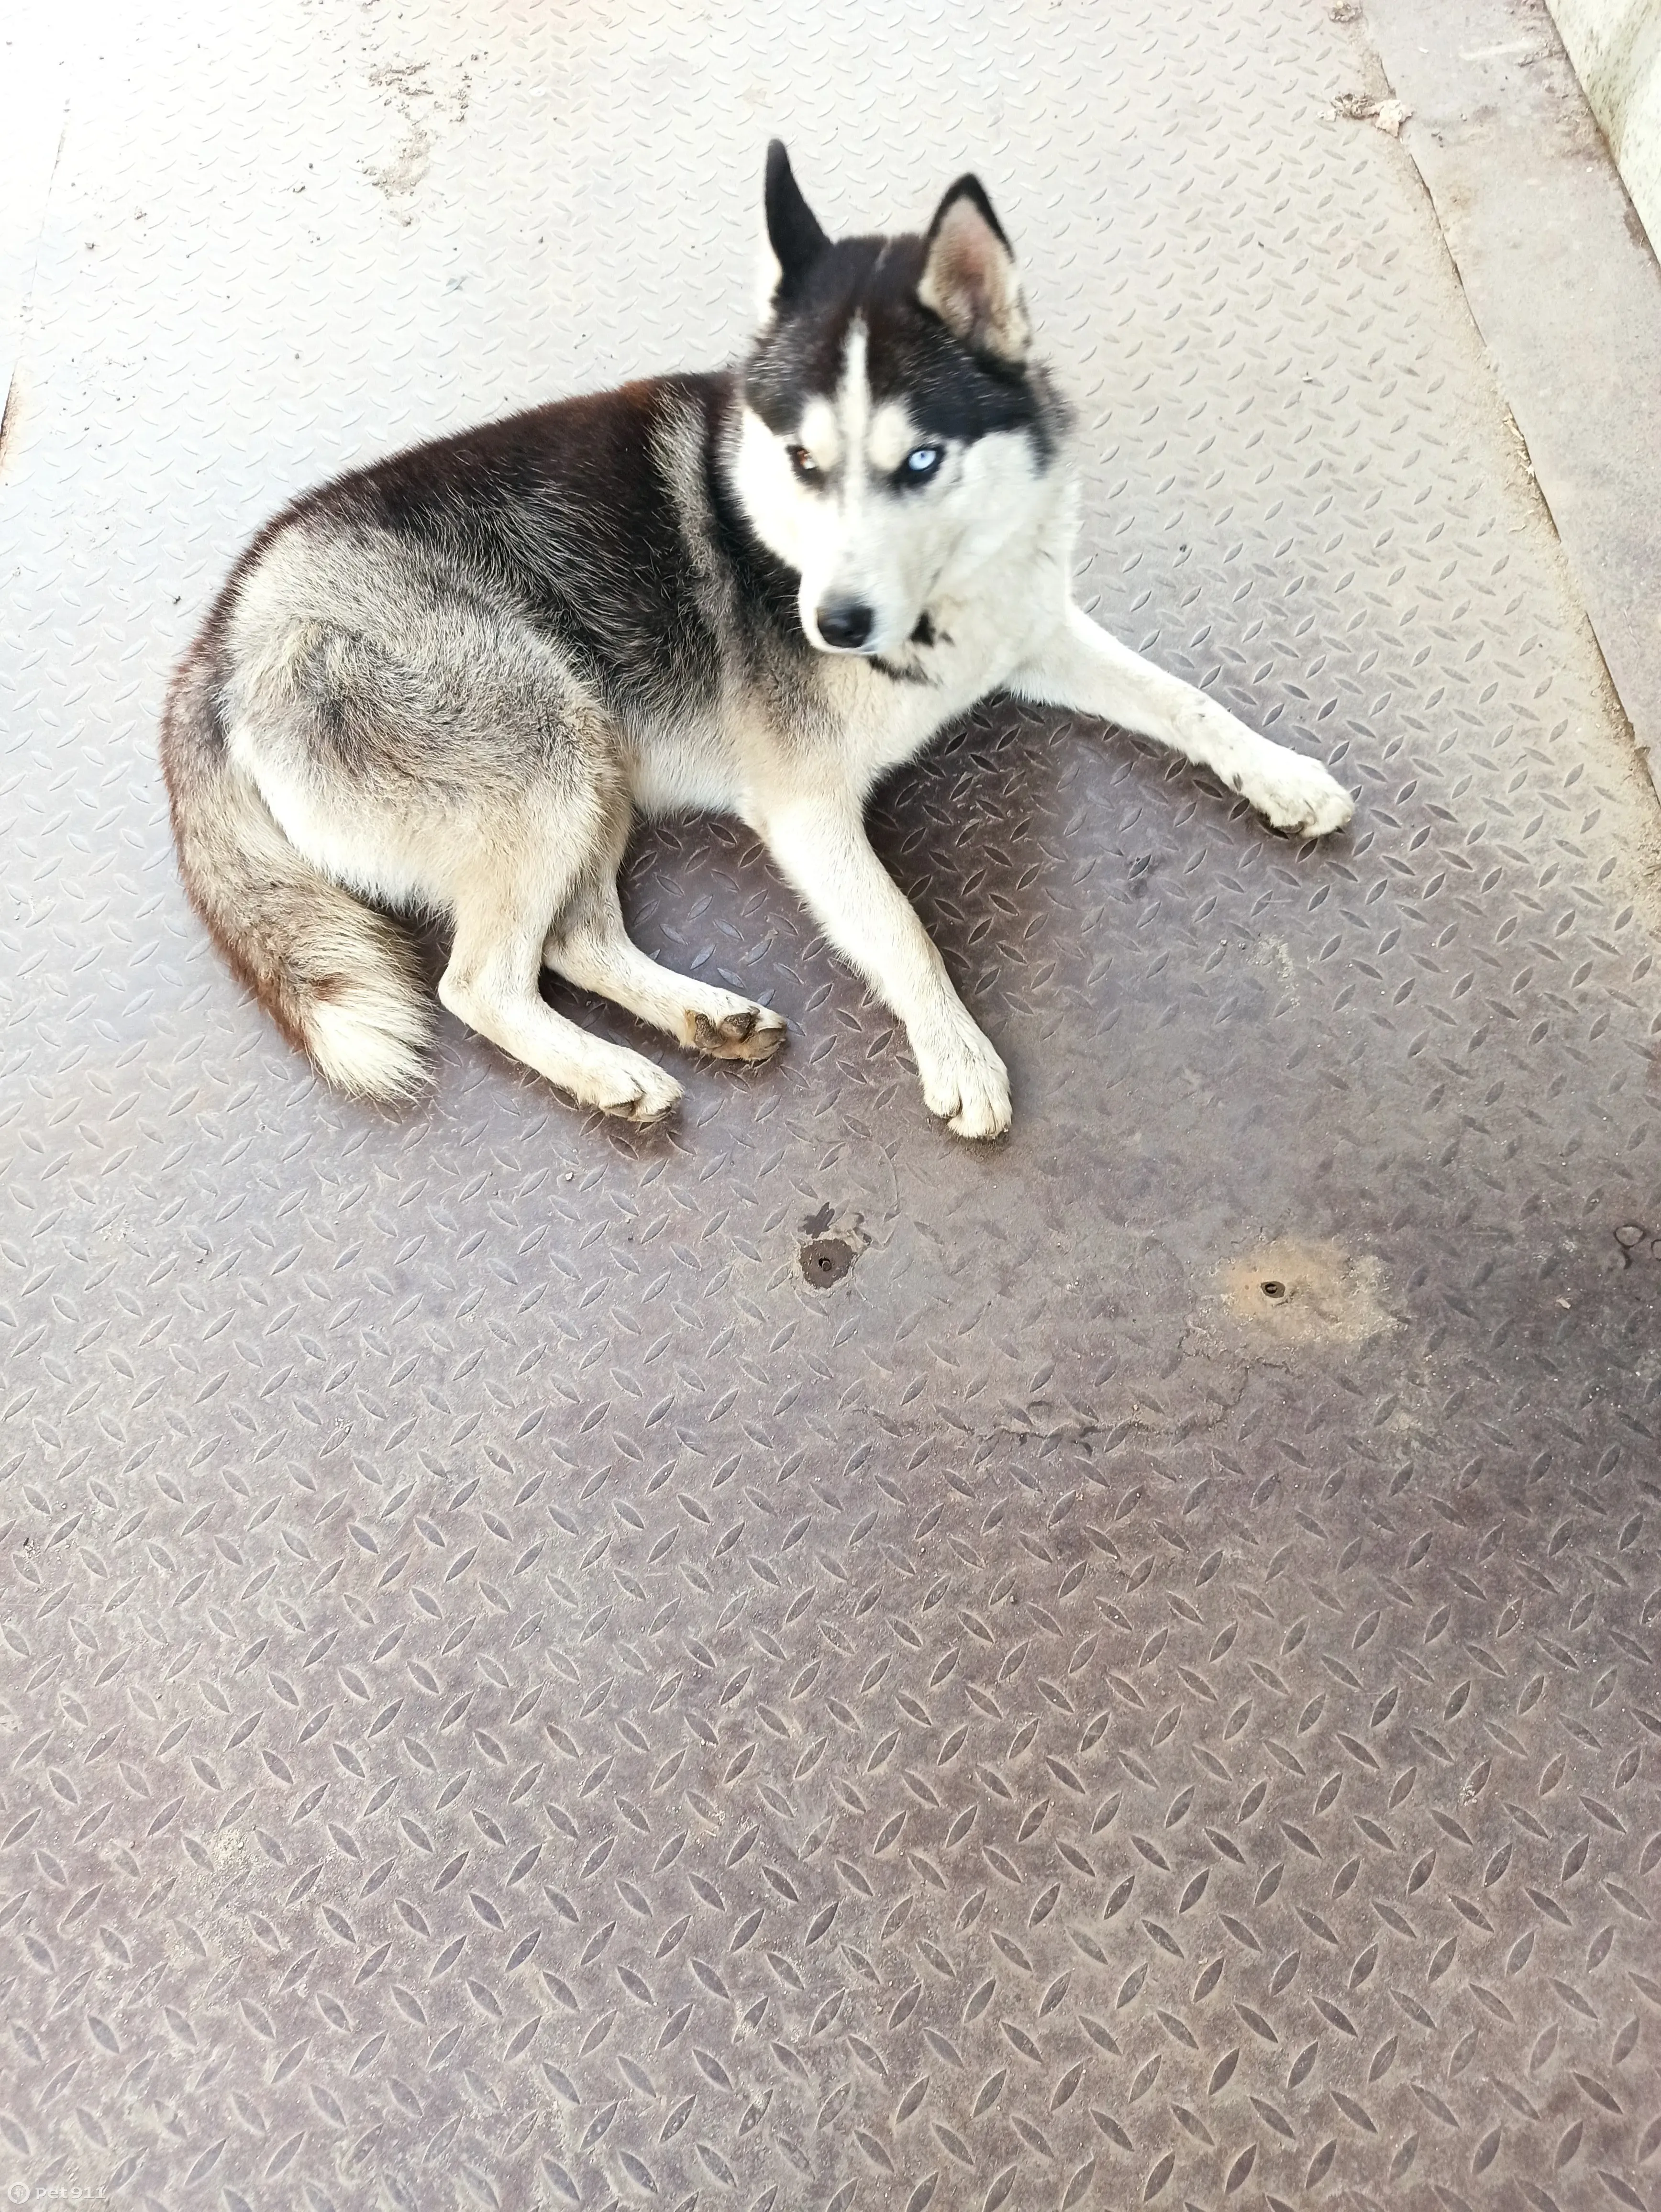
923, 461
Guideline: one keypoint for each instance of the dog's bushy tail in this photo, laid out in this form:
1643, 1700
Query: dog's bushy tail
339, 979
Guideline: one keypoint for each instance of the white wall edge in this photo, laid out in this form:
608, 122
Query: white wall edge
1616, 48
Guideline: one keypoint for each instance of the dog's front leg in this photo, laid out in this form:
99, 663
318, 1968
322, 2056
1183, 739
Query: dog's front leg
1084, 669
821, 845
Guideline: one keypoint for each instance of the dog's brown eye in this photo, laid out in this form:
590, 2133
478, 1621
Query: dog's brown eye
802, 462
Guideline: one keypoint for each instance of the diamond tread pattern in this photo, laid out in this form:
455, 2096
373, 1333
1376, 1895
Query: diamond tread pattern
519, 1690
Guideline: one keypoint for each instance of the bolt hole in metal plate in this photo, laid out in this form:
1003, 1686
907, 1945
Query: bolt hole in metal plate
517, 1696
825, 1261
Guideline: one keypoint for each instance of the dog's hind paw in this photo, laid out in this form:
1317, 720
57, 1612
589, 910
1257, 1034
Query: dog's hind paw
751, 1033
1298, 795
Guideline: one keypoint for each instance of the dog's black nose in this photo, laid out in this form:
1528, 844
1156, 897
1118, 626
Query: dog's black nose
845, 623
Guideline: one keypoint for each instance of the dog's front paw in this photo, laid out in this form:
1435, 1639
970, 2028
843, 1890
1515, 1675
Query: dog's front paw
633, 1089
1296, 794
964, 1082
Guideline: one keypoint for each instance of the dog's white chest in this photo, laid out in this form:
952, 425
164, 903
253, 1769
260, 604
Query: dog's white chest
692, 766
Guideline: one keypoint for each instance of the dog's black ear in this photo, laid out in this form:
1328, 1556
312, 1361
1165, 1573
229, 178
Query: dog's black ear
792, 229
968, 279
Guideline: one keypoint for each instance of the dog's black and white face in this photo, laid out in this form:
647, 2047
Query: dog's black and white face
893, 436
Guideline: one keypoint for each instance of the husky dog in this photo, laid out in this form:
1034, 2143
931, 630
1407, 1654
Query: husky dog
446, 684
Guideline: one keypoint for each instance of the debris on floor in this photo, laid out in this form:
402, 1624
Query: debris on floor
1384, 114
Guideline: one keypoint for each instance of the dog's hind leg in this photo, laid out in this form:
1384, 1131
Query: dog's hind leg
491, 983
1084, 669
590, 946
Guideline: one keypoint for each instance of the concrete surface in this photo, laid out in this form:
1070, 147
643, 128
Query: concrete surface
1616, 48
1565, 288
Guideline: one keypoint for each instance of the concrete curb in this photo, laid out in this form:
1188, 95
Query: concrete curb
1564, 287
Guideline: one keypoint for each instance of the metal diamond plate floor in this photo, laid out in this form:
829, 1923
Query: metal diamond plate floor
525, 1685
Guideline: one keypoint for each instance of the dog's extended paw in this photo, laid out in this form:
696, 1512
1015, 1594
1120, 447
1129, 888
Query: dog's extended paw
964, 1082
751, 1033
634, 1090
1297, 795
